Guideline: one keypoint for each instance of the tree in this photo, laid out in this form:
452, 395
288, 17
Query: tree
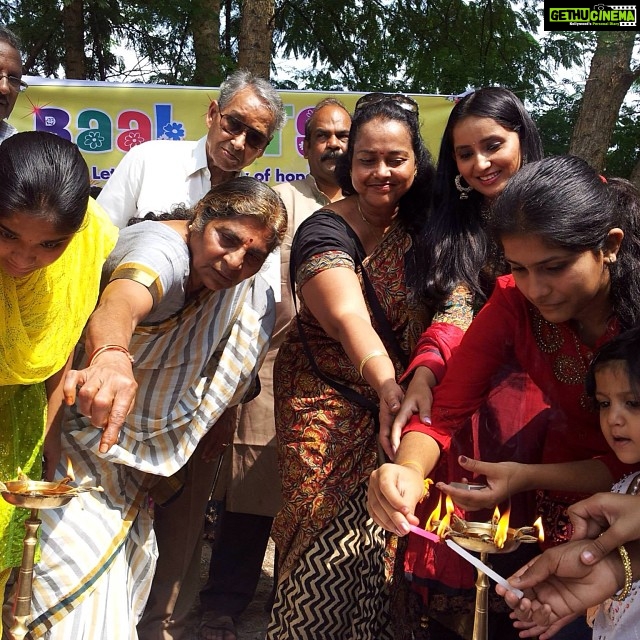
431, 46
73, 30
206, 42
610, 78
256, 33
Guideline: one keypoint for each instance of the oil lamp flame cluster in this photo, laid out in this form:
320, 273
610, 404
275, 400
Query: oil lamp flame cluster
491, 537
484, 538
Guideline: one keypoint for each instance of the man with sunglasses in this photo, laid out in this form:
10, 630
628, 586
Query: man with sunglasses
250, 476
11, 83
159, 174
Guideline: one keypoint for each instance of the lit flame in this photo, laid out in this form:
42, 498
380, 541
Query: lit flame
502, 529
443, 527
70, 470
435, 516
538, 525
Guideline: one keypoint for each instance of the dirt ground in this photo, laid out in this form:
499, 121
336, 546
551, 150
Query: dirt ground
253, 624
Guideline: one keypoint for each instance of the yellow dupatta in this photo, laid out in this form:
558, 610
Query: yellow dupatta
43, 314
41, 319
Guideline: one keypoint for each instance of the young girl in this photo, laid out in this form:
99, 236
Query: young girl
614, 382
558, 584
53, 242
573, 244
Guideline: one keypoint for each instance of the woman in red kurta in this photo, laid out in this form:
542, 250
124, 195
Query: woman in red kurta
573, 244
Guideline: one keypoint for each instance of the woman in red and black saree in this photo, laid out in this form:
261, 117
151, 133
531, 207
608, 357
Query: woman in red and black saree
355, 265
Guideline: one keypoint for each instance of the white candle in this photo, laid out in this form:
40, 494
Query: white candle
481, 566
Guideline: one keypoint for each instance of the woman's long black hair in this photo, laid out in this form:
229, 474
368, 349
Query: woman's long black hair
456, 244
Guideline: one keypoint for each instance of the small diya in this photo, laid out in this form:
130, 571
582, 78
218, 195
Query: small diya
37, 494
34, 495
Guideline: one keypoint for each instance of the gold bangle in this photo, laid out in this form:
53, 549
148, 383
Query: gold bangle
628, 575
109, 347
372, 354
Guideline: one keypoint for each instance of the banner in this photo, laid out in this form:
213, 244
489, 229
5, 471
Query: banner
106, 119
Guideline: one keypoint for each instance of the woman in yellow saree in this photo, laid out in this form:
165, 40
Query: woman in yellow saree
53, 242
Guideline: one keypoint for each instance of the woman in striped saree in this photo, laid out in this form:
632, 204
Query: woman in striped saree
179, 331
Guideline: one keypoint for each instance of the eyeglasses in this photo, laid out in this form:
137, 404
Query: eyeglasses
14, 83
405, 102
235, 127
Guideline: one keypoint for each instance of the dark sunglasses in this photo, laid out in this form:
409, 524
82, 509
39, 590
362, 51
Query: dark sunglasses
16, 84
235, 127
405, 102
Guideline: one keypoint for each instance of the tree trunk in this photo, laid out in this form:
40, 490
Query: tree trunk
256, 32
206, 42
635, 174
610, 77
73, 24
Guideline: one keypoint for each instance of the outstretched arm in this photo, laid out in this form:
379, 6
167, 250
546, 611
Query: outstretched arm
504, 479
608, 520
335, 298
417, 400
106, 389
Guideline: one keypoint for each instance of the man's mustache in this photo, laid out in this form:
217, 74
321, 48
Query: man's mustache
332, 154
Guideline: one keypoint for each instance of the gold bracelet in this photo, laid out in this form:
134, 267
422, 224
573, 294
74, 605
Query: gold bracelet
628, 575
109, 347
372, 354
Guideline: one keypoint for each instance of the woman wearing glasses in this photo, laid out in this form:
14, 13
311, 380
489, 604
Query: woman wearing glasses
355, 269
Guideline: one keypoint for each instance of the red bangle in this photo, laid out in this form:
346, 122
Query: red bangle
109, 347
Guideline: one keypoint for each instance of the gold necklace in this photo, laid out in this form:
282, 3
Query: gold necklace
362, 214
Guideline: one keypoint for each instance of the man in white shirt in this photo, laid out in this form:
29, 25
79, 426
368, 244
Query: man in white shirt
159, 174
11, 83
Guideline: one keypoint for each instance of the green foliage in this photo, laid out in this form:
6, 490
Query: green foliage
422, 46
624, 152
555, 114
156, 32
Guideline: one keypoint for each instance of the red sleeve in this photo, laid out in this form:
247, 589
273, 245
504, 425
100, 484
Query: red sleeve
487, 344
434, 349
